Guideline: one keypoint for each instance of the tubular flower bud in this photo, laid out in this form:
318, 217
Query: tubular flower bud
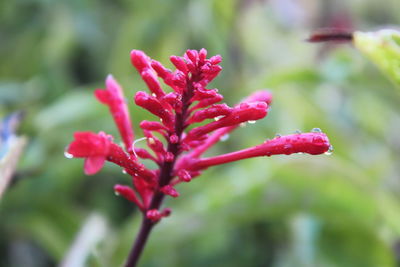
128, 193
153, 105
152, 126
140, 60
243, 113
114, 98
169, 190
179, 63
210, 113
150, 78
311, 143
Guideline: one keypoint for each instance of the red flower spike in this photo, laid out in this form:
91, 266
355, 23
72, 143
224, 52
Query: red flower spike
179, 157
311, 143
128, 193
169, 190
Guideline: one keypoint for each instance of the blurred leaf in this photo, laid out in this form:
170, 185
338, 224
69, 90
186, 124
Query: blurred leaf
383, 48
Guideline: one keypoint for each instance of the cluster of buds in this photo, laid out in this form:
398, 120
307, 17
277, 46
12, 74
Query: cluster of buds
175, 143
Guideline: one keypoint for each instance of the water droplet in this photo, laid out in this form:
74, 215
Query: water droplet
243, 124
224, 137
68, 155
278, 135
153, 95
316, 130
297, 132
330, 151
116, 193
124, 171
251, 122
218, 118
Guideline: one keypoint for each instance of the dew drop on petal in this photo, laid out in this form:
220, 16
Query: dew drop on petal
251, 122
330, 151
243, 124
68, 155
116, 193
124, 171
316, 130
297, 132
153, 95
218, 118
278, 135
224, 137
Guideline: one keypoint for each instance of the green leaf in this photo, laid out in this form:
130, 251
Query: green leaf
383, 48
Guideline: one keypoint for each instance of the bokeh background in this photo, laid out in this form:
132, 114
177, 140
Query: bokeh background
299, 210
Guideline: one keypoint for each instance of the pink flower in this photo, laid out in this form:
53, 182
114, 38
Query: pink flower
93, 147
178, 145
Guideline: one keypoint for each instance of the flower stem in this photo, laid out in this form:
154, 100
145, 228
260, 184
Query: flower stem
141, 240
166, 174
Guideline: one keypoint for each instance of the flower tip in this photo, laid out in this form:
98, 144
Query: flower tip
140, 60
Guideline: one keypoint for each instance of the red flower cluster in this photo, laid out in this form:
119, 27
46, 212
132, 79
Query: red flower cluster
178, 156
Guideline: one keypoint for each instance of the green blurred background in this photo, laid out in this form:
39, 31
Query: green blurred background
299, 210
